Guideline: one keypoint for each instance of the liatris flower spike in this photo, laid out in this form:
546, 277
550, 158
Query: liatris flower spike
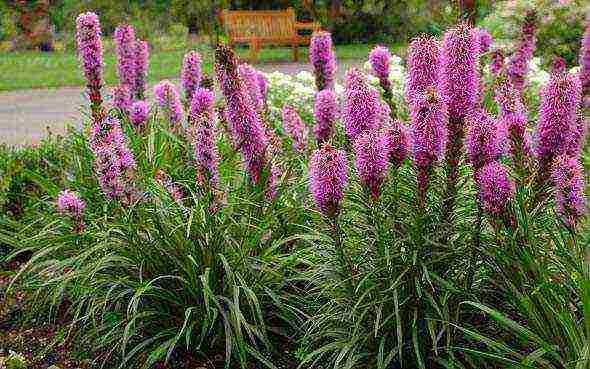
560, 99
485, 140
121, 98
495, 189
578, 139
244, 125
251, 81
513, 117
70, 205
142, 56
518, 63
370, 149
139, 113
295, 128
167, 98
190, 74
568, 178
88, 38
326, 112
328, 175
126, 62
380, 59
397, 139
361, 105
323, 60
202, 120
459, 77
429, 117
485, 40
423, 67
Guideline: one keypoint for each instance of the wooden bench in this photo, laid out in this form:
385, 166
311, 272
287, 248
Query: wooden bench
266, 27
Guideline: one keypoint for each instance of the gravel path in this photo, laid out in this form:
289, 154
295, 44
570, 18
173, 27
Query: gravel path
27, 115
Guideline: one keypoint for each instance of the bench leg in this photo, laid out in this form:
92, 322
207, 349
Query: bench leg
254, 51
296, 52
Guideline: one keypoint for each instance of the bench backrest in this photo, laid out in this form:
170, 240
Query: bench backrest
243, 25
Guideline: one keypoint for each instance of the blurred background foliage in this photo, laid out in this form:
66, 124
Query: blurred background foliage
351, 21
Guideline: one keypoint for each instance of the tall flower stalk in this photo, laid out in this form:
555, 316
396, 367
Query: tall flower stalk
202, 121
168, 98
361, 105
557, 124
459, 87
423, 67
191, 74
379, 59
323, 60
142, 56
126, 57
244, 124
568, 177
295, 128
429, 117
326, 112
88, 39
513, 116
371, 154
518, 63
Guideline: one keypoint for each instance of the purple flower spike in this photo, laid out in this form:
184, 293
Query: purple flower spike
361, 105
121, 98
495, 189
114, 162
578, 139
557, 117
328, 175
139, 113
485, 139
203, 131
250, 79
379, 59
568, 177
190, 74
497, 62
168, 98
429, 116
585, 62
88, 38
326, 112
295, 128
142, 56
126, 62
397, 138
244, 124
485, 40
423, 67
428, 130
323, 60
459, 77
70, 205
518, 63
371, 153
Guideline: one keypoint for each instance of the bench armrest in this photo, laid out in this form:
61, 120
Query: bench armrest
311, 26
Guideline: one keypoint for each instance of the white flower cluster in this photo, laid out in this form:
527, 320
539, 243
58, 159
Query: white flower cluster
297, 91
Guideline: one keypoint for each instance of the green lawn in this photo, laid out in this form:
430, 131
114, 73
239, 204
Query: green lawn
24, 70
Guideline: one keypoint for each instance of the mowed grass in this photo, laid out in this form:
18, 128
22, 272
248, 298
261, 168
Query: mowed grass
25, 70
